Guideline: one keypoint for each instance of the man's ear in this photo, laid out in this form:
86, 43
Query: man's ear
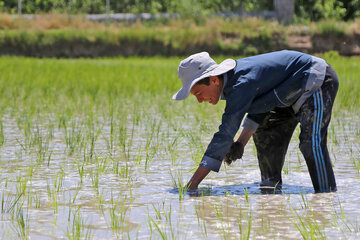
215, 80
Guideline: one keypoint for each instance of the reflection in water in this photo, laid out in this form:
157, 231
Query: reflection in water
244, 189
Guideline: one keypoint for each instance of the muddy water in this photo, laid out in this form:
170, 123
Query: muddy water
115, 193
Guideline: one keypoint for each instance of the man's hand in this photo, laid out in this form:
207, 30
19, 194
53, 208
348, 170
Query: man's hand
236, 152
237, 148
198, 176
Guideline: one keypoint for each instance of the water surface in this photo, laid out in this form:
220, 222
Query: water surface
91, 181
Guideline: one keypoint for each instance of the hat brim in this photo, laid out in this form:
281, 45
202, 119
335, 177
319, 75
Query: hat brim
221, 68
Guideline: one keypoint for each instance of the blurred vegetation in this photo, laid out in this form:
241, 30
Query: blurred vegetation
314, 10
305, 10
135, 6
59, 35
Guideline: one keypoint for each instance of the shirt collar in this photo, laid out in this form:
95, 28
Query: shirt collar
222, 97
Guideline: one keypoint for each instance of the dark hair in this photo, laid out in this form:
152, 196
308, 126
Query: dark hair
206, 81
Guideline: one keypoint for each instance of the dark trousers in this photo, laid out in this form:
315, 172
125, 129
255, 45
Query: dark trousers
273, 136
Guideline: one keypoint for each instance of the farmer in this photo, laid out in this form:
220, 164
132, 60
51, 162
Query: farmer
277, 90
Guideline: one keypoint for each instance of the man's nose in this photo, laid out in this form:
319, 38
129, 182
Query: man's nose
200, 99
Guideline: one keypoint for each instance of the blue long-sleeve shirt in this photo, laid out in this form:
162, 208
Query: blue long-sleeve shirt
257, 85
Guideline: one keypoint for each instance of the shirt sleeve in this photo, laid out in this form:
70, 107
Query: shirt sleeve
236, 106
252, 121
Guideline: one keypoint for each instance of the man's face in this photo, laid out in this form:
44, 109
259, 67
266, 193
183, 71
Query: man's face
208, 93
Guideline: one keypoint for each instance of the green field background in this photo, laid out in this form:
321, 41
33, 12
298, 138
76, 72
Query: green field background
83, 85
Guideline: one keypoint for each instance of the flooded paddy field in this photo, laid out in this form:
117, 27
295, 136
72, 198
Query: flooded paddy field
96, 149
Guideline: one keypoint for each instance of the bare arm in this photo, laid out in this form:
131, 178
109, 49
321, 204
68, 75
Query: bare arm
245, 135
236, 150
202, 172
198, 176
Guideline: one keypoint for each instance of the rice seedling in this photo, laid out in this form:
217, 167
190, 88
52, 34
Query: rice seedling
231, 219
200, 215
76, 227
95, 175
197, 157
178, 182
339, 217
162, 222
308, 226
117, 213
2, 135
9, 204
58, 182
355, 157
101, 201
110, 140
139, 157
161, 233
130, 191
244, 229
21, 224
246, 193
222, 220
122, 135
22, 184
52, 197
80, 167
33, 201
157, 210
73, 137
171, 149
124, 171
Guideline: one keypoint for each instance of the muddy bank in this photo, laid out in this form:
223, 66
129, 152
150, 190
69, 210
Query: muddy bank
347, 45
74, 43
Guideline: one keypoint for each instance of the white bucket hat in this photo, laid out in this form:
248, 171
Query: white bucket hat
197, 67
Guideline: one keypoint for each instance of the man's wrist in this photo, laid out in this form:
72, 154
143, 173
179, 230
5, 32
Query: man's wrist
192, 185
198, 176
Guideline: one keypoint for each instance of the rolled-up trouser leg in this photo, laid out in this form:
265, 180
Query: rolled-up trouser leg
271, 139
314, 117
